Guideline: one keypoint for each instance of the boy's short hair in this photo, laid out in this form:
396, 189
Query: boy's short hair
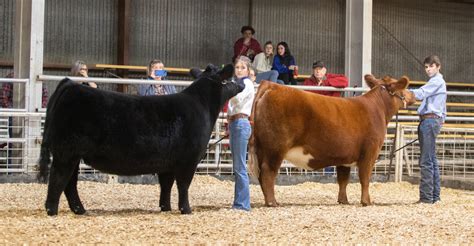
433, 59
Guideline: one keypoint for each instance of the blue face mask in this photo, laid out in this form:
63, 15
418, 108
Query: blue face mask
161, 73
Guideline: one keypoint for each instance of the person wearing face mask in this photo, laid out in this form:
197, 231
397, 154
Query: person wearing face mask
239, 109
320, 77
155, 71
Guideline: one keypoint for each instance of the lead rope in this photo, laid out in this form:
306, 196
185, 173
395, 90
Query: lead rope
392, 152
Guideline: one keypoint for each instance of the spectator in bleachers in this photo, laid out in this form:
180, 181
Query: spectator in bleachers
263, 65
6, 101
79, 69
320, 77
285, 64
7, 94
246, 45
252, 75
156, 71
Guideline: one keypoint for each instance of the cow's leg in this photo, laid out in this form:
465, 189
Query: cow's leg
267, 182
60, 174
183, 180
166, 183
365, 172
343, 174
72, 195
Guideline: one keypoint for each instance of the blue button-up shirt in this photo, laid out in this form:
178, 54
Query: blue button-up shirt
433, 95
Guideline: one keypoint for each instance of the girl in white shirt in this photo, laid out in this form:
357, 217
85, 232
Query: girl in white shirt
238, 113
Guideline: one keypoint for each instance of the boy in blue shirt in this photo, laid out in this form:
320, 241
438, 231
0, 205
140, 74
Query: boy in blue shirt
432, 112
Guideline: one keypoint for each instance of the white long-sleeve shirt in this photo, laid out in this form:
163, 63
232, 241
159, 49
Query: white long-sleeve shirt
262, 63
242, 102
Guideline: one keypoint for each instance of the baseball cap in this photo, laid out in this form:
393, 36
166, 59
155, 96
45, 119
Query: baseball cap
318, 64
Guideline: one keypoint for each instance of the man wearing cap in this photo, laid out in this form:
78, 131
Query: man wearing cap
321, 78
247, 45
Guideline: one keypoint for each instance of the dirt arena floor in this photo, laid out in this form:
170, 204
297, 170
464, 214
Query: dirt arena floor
129, 214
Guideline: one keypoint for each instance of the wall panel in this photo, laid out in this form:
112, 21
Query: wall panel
405, 32
314, 30
80, 30
185, 33
7, 20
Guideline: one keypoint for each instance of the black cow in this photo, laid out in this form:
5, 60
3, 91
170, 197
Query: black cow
131, 135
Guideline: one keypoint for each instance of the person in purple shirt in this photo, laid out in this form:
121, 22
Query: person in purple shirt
432, 112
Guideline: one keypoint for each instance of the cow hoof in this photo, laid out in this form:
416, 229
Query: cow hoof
165, 209
185, 210
365, 204
51, 212
343, 202
272, 204
79, 210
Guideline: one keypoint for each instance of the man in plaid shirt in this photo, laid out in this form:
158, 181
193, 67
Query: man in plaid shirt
6, 101
6, 94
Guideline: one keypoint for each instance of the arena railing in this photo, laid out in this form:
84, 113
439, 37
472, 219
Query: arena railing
218, 158
15, 80
299, 77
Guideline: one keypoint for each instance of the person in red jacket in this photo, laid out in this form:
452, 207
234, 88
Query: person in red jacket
321, 78
247, 45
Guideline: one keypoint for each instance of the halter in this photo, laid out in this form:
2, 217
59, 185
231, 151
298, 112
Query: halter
401, 97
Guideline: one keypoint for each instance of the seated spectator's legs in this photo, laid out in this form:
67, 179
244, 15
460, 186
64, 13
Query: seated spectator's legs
329, 171
292, 80
284, 77
271, 75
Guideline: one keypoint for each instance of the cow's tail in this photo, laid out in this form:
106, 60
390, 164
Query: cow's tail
44, 161
45, 152
253, 164
254, 167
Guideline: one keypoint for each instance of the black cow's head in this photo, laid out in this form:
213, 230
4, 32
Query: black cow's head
218, 81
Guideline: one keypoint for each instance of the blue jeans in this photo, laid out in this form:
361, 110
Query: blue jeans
271, 75
428, 130
240, 130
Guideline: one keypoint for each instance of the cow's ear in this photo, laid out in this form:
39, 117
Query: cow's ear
195, 72
227, 71
211, 68
371, 80
401, 84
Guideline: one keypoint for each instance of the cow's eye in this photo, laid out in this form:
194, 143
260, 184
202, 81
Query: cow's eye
224, 82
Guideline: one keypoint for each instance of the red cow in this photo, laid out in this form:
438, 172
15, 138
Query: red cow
313, 131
